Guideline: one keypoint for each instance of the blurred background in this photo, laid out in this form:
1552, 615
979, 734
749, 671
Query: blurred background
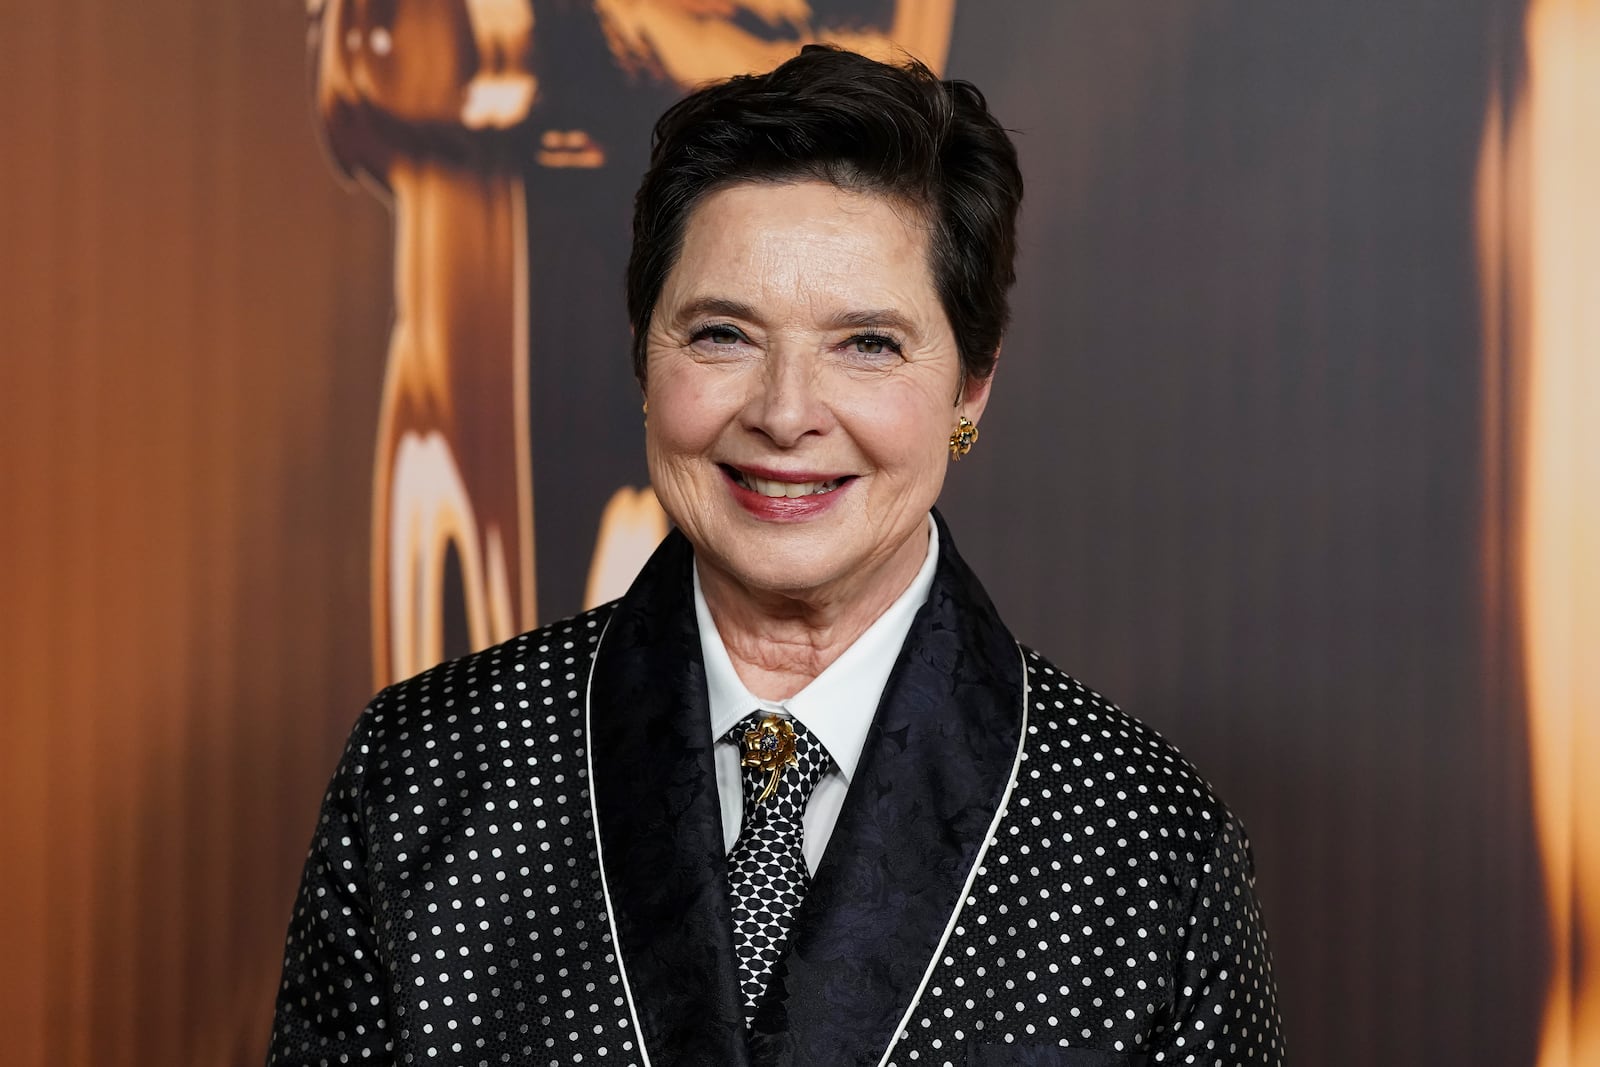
314, 367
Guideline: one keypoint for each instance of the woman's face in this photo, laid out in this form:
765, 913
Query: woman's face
803, 383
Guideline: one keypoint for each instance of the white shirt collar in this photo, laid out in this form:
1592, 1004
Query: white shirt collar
838, 705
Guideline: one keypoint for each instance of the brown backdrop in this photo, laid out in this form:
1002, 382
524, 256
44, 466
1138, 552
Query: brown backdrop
191, 316
1254, 467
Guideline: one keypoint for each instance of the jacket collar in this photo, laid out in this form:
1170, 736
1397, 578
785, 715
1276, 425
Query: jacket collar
658, 823
936, 767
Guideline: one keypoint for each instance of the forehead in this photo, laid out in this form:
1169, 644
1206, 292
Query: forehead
806, 242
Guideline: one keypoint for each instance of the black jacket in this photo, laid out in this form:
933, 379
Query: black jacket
520, 860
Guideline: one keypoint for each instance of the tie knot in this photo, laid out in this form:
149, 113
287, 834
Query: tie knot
780, 764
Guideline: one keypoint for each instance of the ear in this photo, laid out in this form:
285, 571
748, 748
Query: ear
975, 393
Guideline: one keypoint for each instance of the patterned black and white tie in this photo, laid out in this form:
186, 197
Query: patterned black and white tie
780, 765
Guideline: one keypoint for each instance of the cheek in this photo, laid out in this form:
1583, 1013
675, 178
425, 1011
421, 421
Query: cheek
685, 417
903, 430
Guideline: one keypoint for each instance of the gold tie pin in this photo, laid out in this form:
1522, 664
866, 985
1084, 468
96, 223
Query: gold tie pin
769, 745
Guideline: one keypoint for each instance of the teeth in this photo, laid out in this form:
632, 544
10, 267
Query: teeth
767, 487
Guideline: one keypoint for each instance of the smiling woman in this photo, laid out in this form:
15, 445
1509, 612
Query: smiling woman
798, 797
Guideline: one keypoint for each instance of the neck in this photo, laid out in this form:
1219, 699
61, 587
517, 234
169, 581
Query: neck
779, 642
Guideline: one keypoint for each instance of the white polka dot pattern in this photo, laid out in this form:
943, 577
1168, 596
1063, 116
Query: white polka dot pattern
1114, 909
451, 909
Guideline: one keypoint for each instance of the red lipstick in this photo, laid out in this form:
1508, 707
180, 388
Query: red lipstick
782, 508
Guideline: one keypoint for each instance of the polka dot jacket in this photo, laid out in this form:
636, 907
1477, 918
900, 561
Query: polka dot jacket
520, 861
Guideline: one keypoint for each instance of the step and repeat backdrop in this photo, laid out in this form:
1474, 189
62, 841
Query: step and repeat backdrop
315, 371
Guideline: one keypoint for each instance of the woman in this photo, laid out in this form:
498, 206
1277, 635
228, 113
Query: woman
798, 797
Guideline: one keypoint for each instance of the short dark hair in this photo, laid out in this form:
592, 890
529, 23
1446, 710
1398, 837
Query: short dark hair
862, 125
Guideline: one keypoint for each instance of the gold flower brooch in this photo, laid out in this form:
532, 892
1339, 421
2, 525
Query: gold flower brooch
770, 746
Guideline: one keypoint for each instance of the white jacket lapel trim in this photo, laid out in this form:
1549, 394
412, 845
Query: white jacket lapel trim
599, 845
972, 875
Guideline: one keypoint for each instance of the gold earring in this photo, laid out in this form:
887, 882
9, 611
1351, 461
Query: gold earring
646, 409
963, 438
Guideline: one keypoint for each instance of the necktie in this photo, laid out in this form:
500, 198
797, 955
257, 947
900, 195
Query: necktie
781, 763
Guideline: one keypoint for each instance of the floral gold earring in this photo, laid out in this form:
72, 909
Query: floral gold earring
963, 438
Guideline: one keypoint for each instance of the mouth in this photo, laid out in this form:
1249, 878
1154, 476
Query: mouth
774, 487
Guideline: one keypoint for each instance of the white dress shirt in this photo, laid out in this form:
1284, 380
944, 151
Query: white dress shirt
837, 706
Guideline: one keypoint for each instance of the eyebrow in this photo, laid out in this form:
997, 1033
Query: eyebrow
882, 318
867, 318
716, 305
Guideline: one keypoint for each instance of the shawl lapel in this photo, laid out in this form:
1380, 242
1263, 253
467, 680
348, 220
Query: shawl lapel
935, 770
658, 824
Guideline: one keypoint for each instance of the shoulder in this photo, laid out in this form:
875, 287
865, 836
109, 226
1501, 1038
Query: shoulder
1085, 755
523, 679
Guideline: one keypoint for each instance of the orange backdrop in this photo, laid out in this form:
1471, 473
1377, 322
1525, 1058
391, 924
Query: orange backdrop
192, 317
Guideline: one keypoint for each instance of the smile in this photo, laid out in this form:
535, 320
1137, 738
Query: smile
771, 487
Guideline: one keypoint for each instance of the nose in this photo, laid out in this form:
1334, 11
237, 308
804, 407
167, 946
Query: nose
787, 403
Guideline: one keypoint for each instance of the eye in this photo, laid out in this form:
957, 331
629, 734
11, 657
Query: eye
720, 334
874, 344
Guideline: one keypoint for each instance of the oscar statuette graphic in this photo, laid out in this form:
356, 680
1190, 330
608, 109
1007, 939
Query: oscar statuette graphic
418, 101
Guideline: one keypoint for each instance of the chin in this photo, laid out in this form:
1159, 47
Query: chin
785, 574
824, 570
